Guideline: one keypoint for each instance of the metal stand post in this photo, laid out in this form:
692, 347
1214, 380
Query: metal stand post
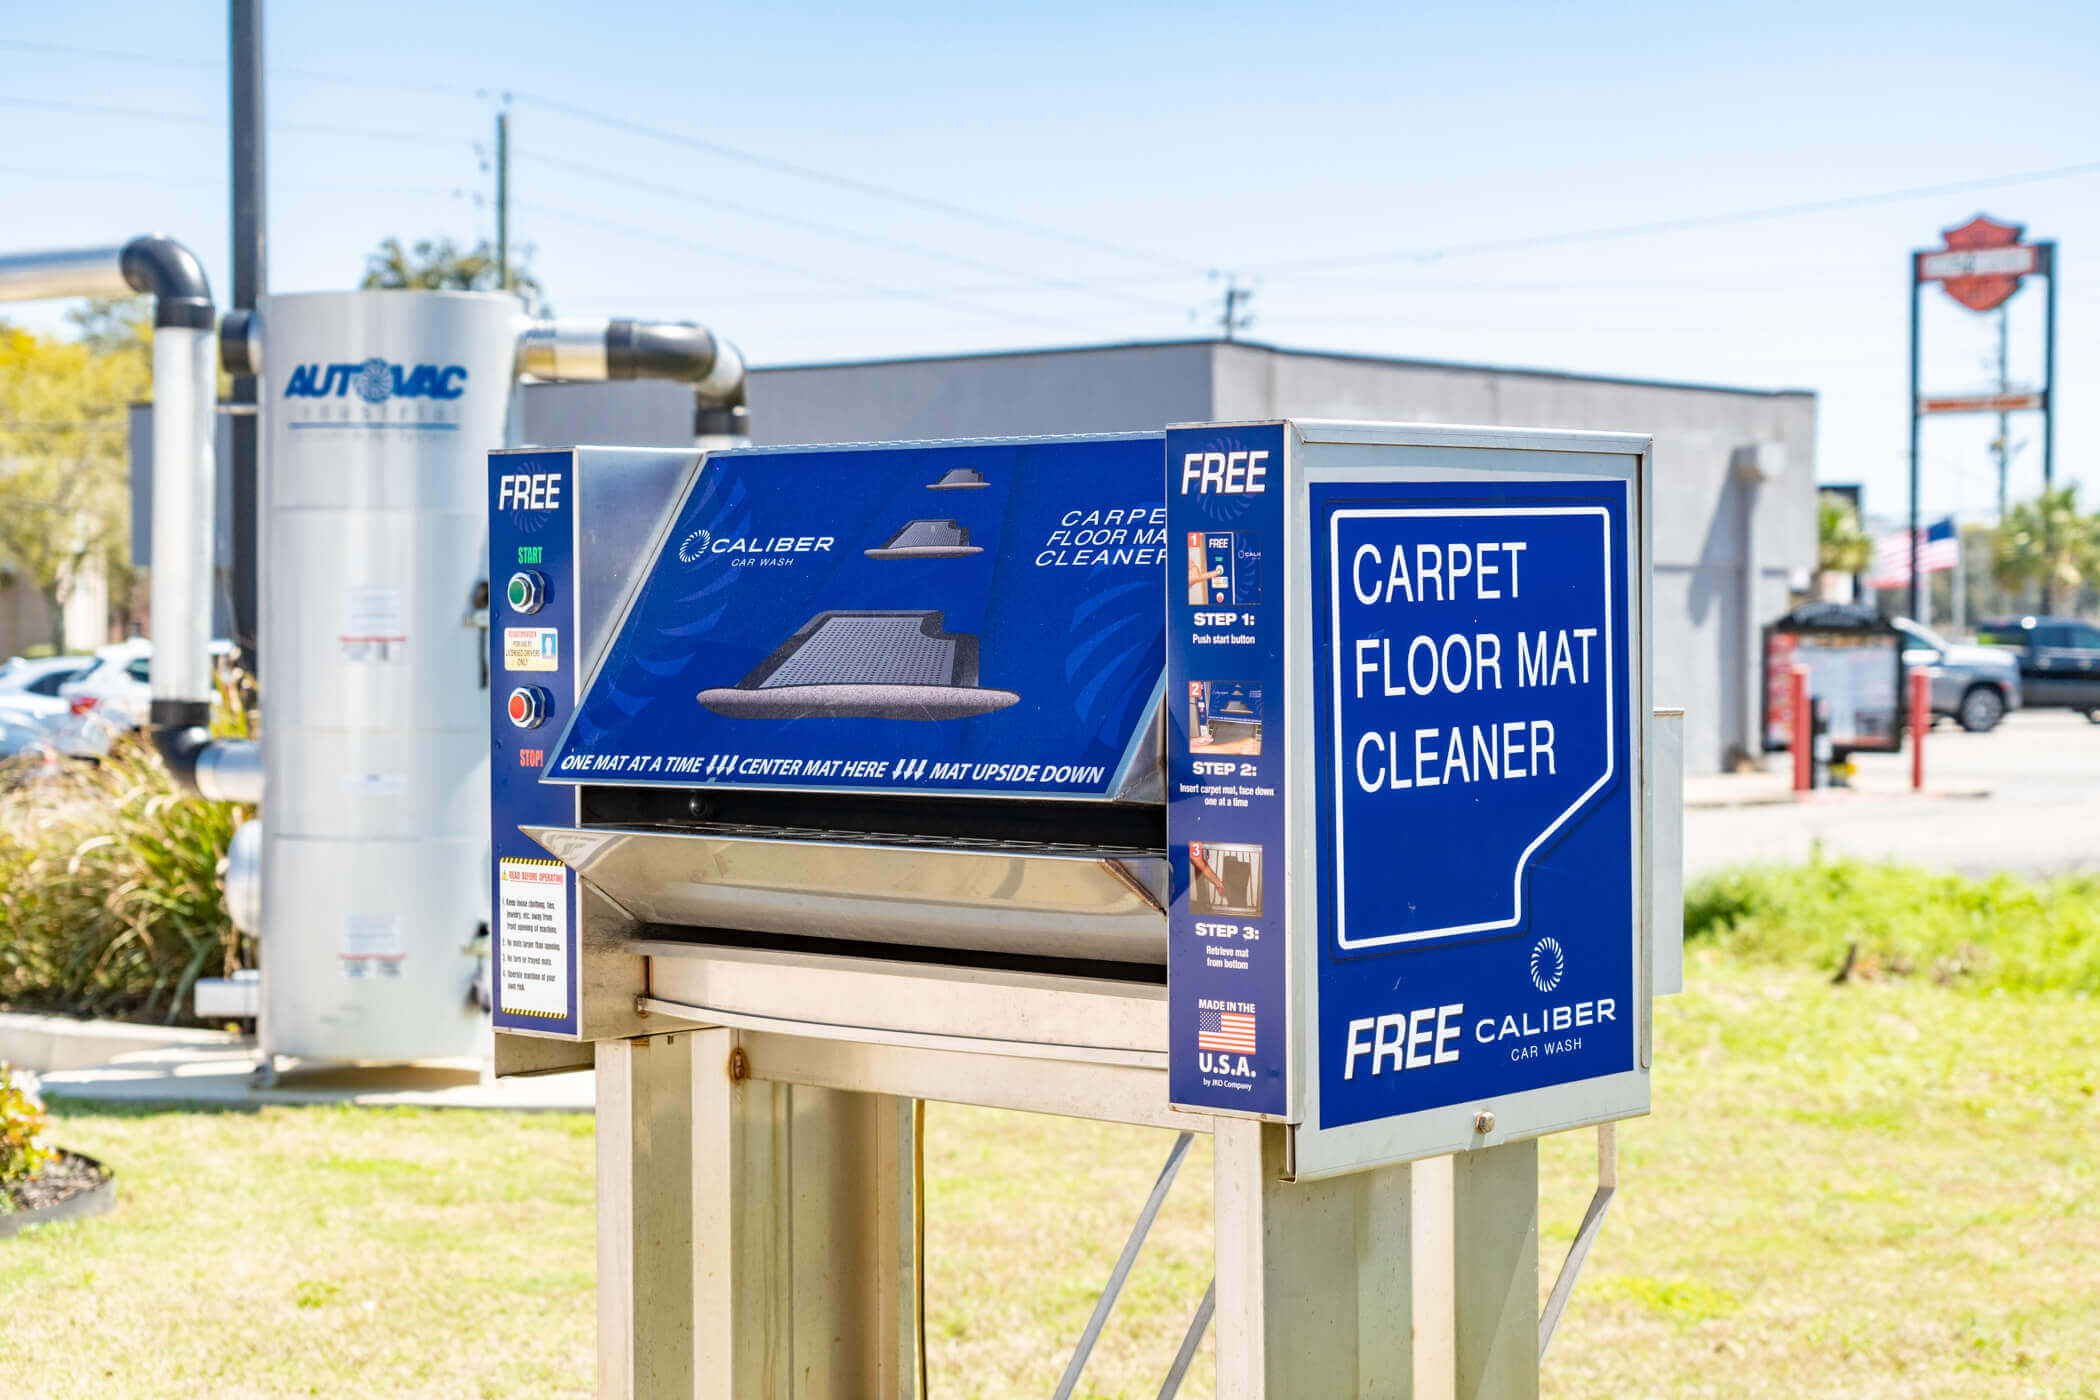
1314, 1288
1585, 1234
645, 1217
1106, 1304
1495, 1271
1193, 1338
758, 1233
756, 1240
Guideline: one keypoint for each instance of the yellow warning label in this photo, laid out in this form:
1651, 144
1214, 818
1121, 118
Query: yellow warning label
531, 649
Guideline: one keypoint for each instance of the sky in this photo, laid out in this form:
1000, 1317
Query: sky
1613, 189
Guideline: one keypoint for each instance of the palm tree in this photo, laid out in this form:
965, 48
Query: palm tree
1841, 546
2048, 542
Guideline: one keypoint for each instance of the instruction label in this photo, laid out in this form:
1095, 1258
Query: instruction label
371, 945
1228, 1019
533, 922
374, 627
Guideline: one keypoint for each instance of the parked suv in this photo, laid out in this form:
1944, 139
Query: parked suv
1977, 686
2059, 660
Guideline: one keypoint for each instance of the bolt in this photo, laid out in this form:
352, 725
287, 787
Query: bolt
739, 1065
1484, 1121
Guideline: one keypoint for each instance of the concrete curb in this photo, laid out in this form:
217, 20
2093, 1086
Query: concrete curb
49, 1043
221, 1078
1782, 797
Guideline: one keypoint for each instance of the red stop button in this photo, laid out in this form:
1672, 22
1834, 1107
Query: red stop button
528, 707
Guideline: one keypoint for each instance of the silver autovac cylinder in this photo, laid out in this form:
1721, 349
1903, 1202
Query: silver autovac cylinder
379, 409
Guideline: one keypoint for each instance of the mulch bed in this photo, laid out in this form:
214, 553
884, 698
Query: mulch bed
64, 1190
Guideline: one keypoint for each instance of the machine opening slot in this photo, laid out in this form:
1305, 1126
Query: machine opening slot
1109, 828
905, 953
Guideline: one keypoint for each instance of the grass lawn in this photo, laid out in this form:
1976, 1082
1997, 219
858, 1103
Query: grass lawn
1881, 1189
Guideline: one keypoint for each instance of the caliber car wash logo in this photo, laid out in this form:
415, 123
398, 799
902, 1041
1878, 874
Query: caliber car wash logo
703, 544
1547, 964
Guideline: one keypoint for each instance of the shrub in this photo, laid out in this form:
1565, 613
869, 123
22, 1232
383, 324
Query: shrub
1882, 919
109, 890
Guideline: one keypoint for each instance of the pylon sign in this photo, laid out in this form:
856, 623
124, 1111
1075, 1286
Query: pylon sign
1983, 262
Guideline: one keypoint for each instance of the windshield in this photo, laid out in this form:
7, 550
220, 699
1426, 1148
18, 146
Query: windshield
1924, 636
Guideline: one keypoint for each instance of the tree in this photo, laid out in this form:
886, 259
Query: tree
2048, 543
439, 264
1841, 546
64, 479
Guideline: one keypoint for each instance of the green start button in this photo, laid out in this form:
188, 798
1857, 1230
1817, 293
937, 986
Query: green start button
527, 592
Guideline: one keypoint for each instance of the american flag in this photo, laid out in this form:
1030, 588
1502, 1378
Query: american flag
1939, 548
1231, 1031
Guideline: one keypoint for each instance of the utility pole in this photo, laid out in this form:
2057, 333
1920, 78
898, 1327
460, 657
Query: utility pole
1233, 317
1918, 596
2003, 447
503, 195
244, 70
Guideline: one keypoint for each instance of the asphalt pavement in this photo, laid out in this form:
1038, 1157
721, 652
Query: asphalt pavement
2039, 772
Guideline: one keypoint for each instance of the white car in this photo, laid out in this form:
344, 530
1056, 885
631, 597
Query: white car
31, 694
115, 694
115, 687
30, 687
26, 750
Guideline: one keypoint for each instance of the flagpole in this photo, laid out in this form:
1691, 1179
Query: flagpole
1961, 582
1919, 598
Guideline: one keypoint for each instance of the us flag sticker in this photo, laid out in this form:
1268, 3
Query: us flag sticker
1229, 1031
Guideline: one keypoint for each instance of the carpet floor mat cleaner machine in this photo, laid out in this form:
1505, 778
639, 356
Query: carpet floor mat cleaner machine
892, 702
848, 784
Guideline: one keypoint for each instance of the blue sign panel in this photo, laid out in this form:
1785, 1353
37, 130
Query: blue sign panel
532, 665
1472, 683
968, 618
1227, 944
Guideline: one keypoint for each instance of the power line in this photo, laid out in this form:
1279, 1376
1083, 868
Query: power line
847, 182
828, 230
1697, 221
95, 109
774, 265
1688, 223
711, 148
952, 210
607, 119
194, 65
110, 55
160, 181
162, 115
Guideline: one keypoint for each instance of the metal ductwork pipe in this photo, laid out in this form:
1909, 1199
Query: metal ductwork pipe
240, 343
185, 400
63, 272
600, 348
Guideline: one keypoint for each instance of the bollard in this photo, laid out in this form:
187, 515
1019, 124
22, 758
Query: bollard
1920, 721
1802, 739
1820, 770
